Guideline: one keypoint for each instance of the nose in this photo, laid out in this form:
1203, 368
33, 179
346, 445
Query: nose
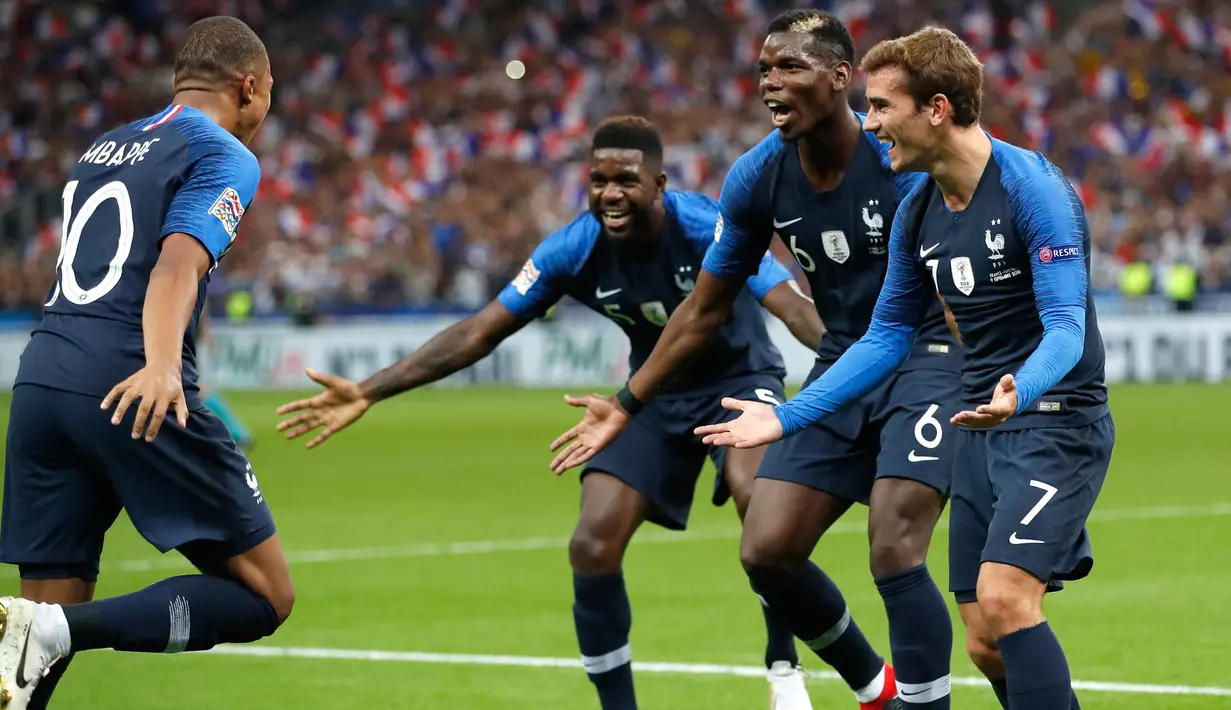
771, 81
611, 193
871, 122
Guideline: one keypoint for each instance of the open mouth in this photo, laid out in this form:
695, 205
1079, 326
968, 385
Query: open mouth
616, 219
892, 143
779, 112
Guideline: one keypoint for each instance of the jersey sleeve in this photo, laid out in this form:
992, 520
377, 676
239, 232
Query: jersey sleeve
769, 274
1050, 219
900, 310
545, 277
744, 227
220, 182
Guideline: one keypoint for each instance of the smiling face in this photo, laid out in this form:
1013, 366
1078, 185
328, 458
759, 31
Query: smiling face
912, 131
624, 191
801, 88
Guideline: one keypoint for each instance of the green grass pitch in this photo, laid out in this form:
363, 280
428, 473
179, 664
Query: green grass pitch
374, 522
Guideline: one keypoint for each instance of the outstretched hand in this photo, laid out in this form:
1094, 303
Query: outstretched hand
339, 406
986, 416
603, 421
756, 425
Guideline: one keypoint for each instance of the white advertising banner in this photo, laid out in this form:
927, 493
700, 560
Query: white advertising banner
585, 350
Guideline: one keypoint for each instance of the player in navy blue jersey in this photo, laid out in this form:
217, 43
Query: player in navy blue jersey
633, 257
106, 412
824, 186
1002, 235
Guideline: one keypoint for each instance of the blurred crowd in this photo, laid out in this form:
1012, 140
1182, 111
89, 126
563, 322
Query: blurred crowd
408, 162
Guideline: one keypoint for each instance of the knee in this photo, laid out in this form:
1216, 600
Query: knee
1008, 607
760, 553
983, 652
591, 553
896, 544
282, 599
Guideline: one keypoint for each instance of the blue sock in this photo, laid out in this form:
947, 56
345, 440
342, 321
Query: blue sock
780, 642
814, 607
920, 637
603, 618
222, 409
1036, 671
1002, 694
189, 613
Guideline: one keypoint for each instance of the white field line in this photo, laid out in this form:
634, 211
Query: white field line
480, 547
650, 667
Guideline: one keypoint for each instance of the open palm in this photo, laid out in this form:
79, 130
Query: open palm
602, 422
331, 411
756, 425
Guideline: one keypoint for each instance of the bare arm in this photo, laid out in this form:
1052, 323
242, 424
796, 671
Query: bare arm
797, 311
170, 299
454, 348
686, 334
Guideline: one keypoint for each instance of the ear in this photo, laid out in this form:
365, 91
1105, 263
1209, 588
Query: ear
939, 109
660, 184
840, 76
247, 90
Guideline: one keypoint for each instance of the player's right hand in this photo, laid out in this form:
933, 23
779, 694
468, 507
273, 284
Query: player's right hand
336, 408
160, 388
604, 419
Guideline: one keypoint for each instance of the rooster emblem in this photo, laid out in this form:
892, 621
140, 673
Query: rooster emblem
994, 244
873, 219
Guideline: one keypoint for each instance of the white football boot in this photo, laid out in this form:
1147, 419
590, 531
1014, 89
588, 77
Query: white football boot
32, 637
786, 687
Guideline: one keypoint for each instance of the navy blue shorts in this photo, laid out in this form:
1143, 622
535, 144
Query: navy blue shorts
659, 456
68, 471
898, 430
1021, 497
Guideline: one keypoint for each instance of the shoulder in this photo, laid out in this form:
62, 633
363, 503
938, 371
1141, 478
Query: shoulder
569, 244
1036, 188
205, 138
1026, 170
695, 212
749, 166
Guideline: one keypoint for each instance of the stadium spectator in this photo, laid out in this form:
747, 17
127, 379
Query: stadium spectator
403, 166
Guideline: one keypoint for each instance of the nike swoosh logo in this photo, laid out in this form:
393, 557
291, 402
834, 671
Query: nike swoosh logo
22, 680
923, 253
1015, 540
780, 225
916, 458
600, 293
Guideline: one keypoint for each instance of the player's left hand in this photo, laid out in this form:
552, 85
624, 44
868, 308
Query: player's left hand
986, 416
160, 388
756, 425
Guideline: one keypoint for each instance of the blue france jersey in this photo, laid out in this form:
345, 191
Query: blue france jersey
1014, 267
640, 295
177, 171
839, 237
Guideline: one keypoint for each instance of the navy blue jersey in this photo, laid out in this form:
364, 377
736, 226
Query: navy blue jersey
839, 237
1014, 268
640, 295
177, 171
